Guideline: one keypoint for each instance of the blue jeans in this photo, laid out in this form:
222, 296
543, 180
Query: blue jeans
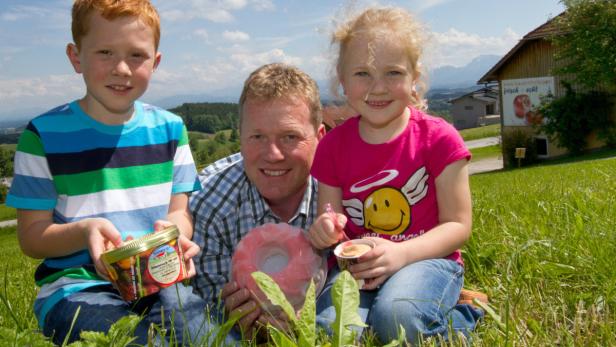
101, 306
422, 297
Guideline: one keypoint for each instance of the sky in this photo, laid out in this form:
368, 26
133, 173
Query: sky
211, 46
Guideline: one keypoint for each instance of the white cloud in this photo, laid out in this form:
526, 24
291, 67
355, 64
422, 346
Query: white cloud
211, 10
28, 12
263, 5
457, 48
422, 5
236, 36
202, 34
43, 92
247, 62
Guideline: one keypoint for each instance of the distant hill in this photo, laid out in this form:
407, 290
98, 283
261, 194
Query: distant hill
459, 77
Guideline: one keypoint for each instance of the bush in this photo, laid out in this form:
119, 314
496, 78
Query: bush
3, 192
514, 139
571, 118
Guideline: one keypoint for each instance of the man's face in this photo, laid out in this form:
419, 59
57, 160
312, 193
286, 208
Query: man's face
278, 142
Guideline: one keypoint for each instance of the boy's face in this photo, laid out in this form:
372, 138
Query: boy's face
117, 59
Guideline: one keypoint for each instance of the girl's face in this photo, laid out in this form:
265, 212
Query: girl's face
377, 79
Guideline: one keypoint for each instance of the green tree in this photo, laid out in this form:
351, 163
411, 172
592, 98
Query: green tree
587, 46
6, 162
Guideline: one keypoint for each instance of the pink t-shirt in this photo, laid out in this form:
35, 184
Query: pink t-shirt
388, 189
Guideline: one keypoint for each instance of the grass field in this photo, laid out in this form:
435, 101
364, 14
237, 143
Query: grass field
543, 248
7, 213
481, 132
8, 146
486, 152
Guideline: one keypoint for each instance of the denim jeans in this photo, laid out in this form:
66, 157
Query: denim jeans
101, 306
422, 297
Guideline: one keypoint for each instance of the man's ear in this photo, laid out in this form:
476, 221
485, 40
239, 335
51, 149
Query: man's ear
72, 52
157, 60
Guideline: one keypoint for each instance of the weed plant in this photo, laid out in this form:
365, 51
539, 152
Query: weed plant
542, 248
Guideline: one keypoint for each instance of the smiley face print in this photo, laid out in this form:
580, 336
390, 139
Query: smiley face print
386, 210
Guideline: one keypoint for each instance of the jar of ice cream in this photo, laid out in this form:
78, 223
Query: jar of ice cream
143, 266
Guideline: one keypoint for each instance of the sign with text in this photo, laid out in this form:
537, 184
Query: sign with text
522, 97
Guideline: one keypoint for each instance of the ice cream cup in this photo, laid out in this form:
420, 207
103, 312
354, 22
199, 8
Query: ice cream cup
348, 253
145, 265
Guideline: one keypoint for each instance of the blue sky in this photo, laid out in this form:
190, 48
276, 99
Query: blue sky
212, 45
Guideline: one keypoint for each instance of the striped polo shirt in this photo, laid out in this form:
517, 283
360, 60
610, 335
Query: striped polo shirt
80, 168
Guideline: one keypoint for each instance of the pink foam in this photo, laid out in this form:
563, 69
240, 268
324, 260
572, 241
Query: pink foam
272, 244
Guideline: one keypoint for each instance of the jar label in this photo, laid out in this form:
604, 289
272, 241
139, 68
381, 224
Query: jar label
164, 264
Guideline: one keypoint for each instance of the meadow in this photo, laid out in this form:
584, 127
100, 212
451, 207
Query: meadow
7, 213
481, 132
542, 249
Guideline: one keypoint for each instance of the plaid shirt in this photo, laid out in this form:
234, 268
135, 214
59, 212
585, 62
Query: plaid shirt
227, 208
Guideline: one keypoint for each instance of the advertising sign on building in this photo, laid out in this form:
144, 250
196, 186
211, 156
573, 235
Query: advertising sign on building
522, 97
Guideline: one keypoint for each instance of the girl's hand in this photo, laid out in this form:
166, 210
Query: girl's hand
326, 231
101, 235
189, 248
379, 264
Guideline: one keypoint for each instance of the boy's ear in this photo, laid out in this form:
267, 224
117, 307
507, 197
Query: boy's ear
72, 52
157, 60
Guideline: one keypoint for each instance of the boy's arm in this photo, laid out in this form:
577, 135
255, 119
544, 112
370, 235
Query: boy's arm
180, 215
40, 237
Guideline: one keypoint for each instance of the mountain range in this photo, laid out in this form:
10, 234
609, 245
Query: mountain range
442, 78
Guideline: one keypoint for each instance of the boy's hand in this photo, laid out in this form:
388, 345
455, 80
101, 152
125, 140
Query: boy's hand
326, 231
189, 248
101, 235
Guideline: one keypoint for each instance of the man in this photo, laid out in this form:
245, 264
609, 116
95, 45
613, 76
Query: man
268, 182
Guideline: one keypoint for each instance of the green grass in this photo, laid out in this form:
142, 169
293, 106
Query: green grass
481, 132
543, 248
486, 152
10, 146
7, 213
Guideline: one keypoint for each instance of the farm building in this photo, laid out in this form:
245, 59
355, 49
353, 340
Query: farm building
476, 108
524, 76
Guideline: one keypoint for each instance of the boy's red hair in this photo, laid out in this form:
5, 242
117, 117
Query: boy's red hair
112, 9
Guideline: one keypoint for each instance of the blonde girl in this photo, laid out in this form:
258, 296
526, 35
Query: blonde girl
399, 177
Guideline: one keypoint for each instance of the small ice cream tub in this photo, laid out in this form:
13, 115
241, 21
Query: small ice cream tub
144, 266
349, 252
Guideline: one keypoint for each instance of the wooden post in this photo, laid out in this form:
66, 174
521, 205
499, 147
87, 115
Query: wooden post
520, 153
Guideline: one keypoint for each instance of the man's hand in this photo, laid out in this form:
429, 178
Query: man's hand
238, 301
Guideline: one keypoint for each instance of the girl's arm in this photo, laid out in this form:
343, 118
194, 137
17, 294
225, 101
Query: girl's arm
455, 216
325, 232
454, 228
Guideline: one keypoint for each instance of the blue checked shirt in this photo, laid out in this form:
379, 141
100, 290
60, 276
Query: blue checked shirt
227, 208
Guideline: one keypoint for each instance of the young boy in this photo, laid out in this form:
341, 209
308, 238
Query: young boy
91, 173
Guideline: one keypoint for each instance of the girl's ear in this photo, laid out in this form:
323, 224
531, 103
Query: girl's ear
341, 79
72, 52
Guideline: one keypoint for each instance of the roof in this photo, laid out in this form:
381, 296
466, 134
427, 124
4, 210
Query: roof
486, 94
543, 31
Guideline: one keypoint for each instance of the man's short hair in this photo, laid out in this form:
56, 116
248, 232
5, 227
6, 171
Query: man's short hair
112, 9
278, 81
